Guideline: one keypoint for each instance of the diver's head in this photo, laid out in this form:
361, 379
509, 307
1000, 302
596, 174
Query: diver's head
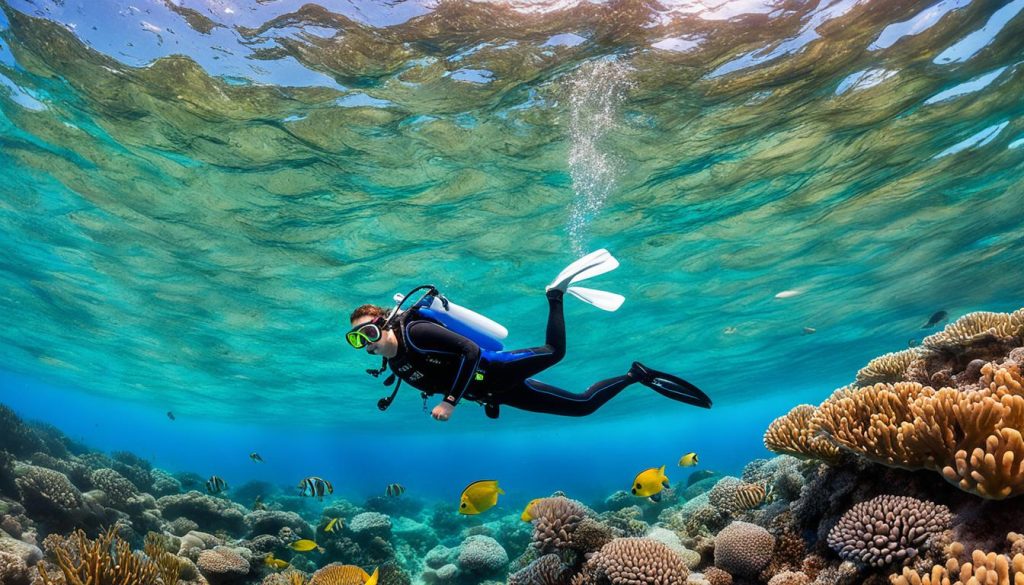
368, 331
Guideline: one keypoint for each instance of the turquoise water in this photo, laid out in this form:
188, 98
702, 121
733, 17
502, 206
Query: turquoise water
194, 195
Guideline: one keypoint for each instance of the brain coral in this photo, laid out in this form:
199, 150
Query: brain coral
371, 524
633, 561
481, 554
743, 549
221, 561
547, 570
887, 529
555, 521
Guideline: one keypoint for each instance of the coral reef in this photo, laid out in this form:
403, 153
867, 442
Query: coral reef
982, 568
555, 521
968, 432
742, 548
547, 570
108, 560
625, 561
797, 435
887, 529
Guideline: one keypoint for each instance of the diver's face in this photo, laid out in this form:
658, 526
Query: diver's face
386, 346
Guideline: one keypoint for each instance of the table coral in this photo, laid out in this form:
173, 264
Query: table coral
794, 434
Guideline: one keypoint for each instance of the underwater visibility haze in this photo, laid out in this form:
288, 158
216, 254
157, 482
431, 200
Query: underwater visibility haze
816, 207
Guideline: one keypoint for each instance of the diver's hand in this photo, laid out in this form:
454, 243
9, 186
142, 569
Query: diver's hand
442, 412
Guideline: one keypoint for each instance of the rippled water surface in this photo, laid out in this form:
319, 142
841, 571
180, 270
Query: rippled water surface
194, 193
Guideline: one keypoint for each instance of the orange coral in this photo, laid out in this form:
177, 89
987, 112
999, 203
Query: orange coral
984, 568
970, 436
795, 434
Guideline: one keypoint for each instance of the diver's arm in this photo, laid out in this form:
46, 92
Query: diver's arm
432, 337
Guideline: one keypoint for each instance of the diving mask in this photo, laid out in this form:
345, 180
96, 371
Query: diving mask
361, 335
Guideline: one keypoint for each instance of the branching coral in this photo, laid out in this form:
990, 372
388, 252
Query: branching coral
794, 434
555, 520
984, 568
168, 565
887, 529
108, 560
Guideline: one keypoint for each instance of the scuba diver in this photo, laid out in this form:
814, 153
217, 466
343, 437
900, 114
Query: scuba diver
441, 348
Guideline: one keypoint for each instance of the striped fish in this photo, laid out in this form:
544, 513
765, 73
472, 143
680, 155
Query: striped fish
315, 486
216, 485
394, 489
750, 495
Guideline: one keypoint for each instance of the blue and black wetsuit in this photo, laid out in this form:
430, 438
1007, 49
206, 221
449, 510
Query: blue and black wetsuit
436, 360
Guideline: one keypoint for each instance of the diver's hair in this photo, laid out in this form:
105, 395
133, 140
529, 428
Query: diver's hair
368, 310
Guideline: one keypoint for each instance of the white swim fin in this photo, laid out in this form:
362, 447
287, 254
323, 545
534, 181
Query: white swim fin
601, 299
589, 266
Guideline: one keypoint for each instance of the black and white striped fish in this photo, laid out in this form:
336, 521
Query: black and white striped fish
216, 485
315, 486
394, 489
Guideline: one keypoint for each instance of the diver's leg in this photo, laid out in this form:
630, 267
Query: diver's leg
536, 396
510, 367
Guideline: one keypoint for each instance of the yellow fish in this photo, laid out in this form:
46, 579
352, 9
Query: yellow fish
273, 563
305, 545
345, 575
333, 525
649, 482
688, 460
526, 516
479, 496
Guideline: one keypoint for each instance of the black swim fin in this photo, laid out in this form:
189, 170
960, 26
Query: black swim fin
671, 386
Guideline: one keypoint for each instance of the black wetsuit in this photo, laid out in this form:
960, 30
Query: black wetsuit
436, 360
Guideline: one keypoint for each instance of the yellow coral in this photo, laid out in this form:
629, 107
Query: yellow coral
984, 568
887, 368
974, 327
794, 434
108, 560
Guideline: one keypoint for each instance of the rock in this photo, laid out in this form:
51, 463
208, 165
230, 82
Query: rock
29, 554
